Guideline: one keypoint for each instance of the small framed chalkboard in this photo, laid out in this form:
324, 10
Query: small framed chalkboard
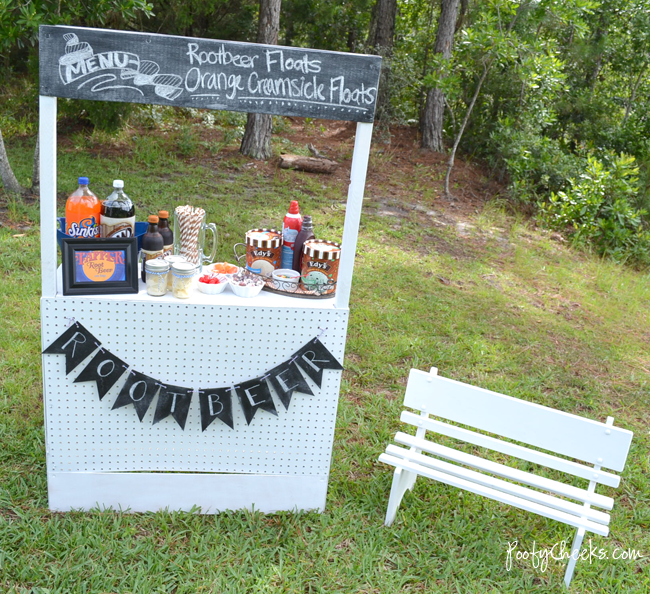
100, 266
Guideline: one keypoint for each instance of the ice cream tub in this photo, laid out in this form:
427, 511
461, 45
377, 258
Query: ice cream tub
263, 251
320, 266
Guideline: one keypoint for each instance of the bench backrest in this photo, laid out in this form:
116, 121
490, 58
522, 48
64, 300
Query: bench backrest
596, 443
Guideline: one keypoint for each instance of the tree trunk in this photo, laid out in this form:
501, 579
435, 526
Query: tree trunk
452, 155
434, 109
382, 25
487, 63
257, 136
635, 88
380, 42
6, 174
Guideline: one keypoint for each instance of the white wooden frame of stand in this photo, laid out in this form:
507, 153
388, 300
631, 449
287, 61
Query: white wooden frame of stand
98, 457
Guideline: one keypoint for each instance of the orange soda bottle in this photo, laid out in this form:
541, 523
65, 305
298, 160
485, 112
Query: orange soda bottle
82, 212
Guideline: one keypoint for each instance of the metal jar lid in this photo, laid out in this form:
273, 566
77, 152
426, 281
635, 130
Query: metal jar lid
184, 268
171, 259
156, 265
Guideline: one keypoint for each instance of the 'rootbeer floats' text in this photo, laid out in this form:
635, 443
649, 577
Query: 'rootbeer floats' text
307, 87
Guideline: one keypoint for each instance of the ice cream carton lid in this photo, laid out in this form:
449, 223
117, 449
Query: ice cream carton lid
321, 249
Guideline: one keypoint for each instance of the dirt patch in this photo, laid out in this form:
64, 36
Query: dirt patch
402, 181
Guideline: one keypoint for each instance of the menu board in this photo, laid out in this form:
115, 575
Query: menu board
106, 65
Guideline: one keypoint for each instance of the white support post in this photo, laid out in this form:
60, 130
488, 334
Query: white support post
353, 213
47, 140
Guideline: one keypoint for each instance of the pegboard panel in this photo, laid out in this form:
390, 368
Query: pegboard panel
198, 346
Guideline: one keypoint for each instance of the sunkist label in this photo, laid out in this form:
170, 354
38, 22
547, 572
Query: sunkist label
86, 228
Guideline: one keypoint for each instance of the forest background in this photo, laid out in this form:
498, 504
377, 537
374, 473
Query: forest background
551, 96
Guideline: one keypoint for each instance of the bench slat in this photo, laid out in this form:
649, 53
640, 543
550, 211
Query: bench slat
521, 476
512, 449
500, 485
527, 422
491, 493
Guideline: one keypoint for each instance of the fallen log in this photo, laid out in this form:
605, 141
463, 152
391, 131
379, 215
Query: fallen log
310, 164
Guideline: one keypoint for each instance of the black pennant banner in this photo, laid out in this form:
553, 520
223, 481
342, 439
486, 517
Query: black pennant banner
76, 343
174, 401
104, 369
313, 358
139, 391
254, 395
216, 404
286, 379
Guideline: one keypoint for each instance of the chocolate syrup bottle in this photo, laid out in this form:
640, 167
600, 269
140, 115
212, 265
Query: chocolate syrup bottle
306, 233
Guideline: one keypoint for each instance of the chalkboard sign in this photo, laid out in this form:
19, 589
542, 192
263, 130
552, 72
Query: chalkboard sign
105, 65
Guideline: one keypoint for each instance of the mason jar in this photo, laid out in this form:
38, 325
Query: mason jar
156, 272
183, 273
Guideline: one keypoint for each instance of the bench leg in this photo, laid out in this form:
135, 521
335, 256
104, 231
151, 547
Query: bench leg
575, 551
402, 480
411, 480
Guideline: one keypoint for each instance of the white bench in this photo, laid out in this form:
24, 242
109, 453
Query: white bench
598, 444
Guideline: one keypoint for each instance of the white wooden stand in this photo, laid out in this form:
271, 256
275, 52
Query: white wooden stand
98, 457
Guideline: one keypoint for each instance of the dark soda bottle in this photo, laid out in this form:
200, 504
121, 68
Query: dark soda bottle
166, 232
152, 244
118, 213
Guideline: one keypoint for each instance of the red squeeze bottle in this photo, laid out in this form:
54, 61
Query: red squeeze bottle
290, 229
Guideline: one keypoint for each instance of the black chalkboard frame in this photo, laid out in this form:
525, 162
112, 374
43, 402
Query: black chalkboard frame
126, 247
135, 67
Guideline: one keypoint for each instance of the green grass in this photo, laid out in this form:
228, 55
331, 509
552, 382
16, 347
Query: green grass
511, 311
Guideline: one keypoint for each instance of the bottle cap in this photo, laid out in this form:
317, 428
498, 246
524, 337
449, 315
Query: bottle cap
163, 214
153, 219
306, 219
293, 207
118, 183
83, 181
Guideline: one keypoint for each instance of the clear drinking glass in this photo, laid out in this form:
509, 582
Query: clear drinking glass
190, 239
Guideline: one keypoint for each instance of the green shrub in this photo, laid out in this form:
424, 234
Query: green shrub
108, 116
598, 211
533, 164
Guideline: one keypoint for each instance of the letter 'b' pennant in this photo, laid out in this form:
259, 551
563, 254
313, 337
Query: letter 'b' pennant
216, 404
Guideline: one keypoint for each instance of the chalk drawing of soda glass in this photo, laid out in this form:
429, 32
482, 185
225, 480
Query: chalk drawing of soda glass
80, 61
